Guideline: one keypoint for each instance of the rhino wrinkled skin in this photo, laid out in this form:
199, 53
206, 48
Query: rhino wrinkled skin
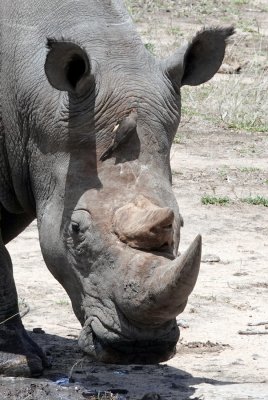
87, 119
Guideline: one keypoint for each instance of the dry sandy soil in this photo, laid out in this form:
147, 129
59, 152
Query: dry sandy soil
209, 159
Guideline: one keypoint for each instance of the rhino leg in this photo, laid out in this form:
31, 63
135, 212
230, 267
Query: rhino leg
13, 224
19, 355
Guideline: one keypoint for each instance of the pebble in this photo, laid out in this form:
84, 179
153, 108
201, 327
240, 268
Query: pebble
121, 372
182, 323
152, 396
38, 330
210, 258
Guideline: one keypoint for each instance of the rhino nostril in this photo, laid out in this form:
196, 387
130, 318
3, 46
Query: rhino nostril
168, 227
165, 248
158, 228
165, 245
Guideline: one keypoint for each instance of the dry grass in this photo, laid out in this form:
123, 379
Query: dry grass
196, 9
238, 102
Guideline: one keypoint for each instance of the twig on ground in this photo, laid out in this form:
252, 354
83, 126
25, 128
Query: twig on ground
80, 361
247, 332
21, 313
257, 323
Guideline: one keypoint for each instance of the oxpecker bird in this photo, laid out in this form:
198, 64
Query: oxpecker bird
122, 133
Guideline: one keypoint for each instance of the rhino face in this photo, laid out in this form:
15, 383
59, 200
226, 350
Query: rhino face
110, 230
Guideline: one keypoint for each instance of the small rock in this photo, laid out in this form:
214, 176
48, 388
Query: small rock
91, 393
118, 391
240, 274
182, 323
121, 372
64, 381
230, 69
182, 388
39, 331
210, 258
152, 396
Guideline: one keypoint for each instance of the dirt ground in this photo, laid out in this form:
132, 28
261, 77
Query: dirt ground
219, 355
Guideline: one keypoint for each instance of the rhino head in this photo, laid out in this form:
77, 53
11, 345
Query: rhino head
109, 223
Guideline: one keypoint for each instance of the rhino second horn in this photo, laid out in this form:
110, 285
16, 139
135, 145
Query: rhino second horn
172, 284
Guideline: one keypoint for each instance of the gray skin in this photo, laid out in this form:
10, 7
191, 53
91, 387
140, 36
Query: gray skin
71, 72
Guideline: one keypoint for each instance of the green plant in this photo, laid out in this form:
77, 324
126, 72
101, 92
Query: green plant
175, 31
240, 2
223, 171
150, 47
63, 303
256, 201
177, 139
213, 200
173, 172
249, 170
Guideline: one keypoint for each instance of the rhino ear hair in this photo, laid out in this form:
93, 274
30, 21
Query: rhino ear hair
199, 60
67, 65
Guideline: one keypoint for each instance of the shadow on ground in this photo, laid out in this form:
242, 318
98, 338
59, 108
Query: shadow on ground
75, 376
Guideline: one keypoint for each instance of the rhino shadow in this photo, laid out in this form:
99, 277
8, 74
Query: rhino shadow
85, 140
70, 367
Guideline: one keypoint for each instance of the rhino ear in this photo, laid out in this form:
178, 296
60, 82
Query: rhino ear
198, 61
67, 66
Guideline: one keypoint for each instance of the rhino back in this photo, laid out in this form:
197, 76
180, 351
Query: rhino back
96, 23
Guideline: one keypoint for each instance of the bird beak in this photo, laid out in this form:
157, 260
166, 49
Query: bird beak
115, 128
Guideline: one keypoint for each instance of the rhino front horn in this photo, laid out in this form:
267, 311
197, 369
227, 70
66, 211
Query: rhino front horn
156, 291
172, 284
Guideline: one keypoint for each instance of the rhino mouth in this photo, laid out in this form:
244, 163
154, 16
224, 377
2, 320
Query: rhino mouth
119, 349
134, 352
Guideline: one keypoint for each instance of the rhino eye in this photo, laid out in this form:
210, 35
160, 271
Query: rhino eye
75, 227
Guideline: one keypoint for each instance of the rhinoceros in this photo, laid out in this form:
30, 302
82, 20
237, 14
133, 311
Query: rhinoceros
87, 120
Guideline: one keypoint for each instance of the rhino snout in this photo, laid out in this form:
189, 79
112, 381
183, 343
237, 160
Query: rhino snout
143, 225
